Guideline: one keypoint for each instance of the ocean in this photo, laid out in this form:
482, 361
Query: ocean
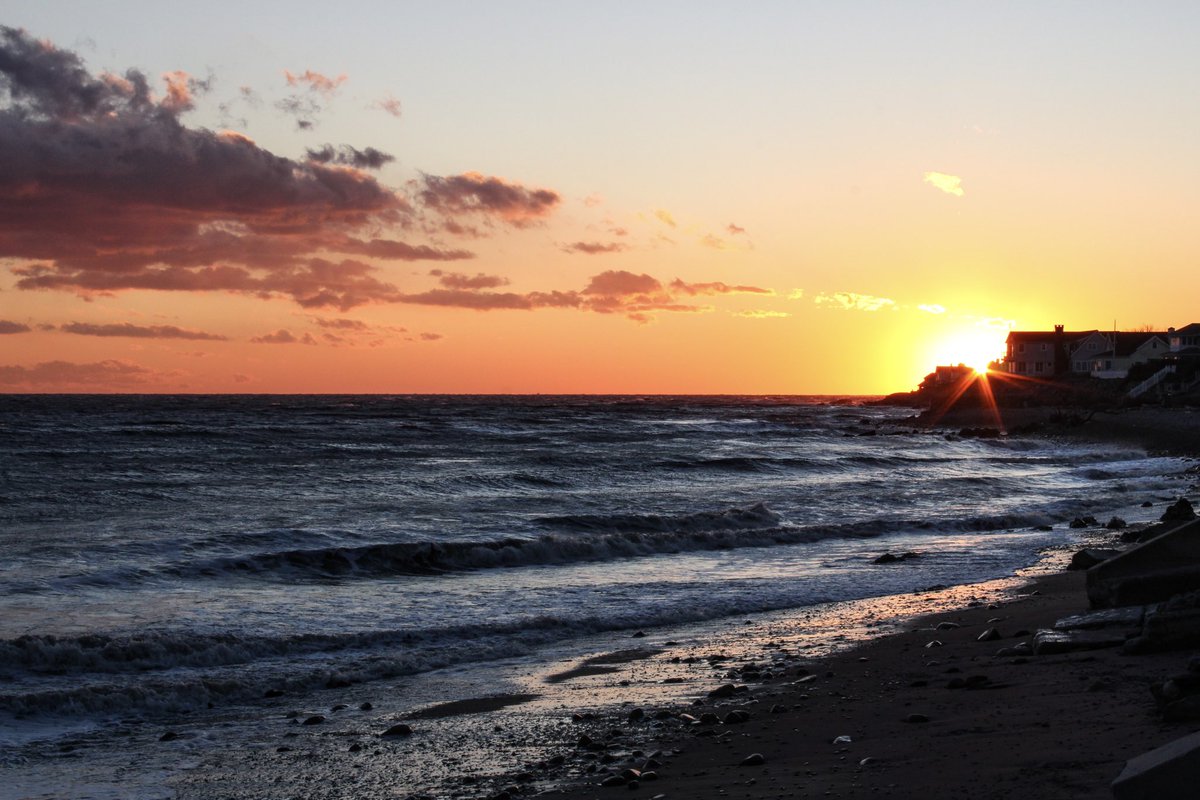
186, 578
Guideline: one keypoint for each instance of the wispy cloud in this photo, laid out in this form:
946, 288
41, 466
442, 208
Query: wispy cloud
13, 327
853, 301
759, 313
594, 248
284, 336
796, 294
665, 217
69, 374
129, 330
932, 308
950, 184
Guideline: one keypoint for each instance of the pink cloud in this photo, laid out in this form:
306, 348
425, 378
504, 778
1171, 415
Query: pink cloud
489, 196
127, 329
594, 248
72, 375
284, 336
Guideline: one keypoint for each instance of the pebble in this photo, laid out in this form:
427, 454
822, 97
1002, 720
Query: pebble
916, 718
399, 729
365, 707
753, 760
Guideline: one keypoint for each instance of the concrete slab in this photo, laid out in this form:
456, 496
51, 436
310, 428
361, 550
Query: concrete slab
1170, 772
1166, 565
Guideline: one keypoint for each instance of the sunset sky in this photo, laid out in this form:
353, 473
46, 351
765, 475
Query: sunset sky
583, 197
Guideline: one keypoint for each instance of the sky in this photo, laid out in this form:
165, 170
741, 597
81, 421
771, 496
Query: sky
568, 197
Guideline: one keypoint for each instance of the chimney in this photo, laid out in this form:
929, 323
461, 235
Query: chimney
1058, 329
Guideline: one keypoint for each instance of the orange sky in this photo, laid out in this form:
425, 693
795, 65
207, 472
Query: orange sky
589, 204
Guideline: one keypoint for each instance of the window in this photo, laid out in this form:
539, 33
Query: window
1045, 347
1037, 367
1021, 349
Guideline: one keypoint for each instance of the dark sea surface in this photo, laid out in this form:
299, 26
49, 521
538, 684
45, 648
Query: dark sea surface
172, 559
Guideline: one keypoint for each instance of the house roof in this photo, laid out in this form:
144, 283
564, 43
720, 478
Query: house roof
1037, 336
1128, 341
1190, 330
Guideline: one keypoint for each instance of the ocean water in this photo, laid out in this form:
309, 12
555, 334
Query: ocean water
201, 563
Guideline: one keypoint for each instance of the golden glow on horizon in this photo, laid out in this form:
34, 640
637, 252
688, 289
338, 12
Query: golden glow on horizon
976, 346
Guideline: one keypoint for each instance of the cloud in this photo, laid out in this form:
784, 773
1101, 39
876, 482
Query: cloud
284, 336
127, 329
240, 378
368, 158
950, 184
734, 230
69, 374
665, 217
713, 241
431, 337
488, 196
761, 314
852, 301
594, 248
104, 189
13, 327
796, 294
315, 81
716, 287
459, 280
932, 308
622, 282
342, 324
388, 105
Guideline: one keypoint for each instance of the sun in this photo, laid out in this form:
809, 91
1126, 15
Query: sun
975, 347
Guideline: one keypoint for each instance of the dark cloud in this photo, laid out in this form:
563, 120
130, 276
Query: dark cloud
368, 158
284, 336
473, 193
102, 188
594, 248
431, 337
459, 280
622, 282
306, 105
68, 374
13, 327
139, 331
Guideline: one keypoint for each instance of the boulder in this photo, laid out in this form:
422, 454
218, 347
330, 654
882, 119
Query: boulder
1089, 557
1116, 524
1179, 511
1164, 773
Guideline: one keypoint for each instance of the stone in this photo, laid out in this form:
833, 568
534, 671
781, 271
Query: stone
1116, 524
1164, 773
916, 718
726, 690
843, 739
753, 760
613, 780
1089, 557
365, 707
1147, 504
637, 715
1078, 522
269, 693
709, 718
354, 748
947, 626
989, 635
169, 736
1179, 511
736, 717
399, 729
339, 707
1047, 642
315, 719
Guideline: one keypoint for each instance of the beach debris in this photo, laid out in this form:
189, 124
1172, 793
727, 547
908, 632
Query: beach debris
1089, 557
399, 729
1164, 773
989, 635
753, 760
1179, 511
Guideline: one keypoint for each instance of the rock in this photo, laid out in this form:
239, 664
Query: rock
934, 643
399, 729
637, 715
1078, 523
1020, 649
1179, 511
639, 635
709, 718
169, 736
916, 718
753, 760
269, 693
890, 558
1147, 504
1116, 524
947, 626
613, 780
365, 707
339, 707
649, 776
726, 690
989, 635
1043, 528
737, 717
337, 682
315, 719
778, 709
1089, 557
354, 748
843, 739
631, 774
1165, 773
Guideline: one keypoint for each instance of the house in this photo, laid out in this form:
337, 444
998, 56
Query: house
1044, 354
947, 376
1184, 338
1126, 348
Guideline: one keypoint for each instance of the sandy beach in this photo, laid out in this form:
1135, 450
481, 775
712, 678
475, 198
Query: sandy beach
933, 711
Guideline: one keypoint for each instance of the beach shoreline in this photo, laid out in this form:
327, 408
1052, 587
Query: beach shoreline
932, 711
